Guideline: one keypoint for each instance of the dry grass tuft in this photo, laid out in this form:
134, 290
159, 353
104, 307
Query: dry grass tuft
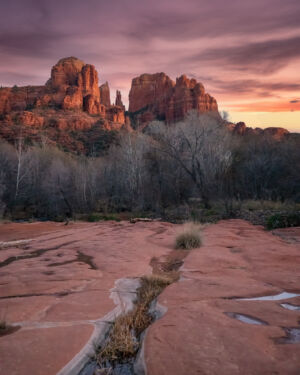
123, 341
190, 238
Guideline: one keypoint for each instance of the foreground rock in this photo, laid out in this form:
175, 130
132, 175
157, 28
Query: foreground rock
57, 287
196, 336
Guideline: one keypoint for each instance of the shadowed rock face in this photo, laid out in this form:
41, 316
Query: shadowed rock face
156, 96
119, 99
105, 94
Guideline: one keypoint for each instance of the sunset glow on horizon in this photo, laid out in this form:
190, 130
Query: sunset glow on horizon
246, 54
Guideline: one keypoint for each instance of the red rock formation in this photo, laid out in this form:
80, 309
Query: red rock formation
156, 96
276, 133
116, 114
105, 94
75, 85
148, 90
19, 98
241, 129
72, 100
89, 81
30, 119
65, 73
72, 84
119, 99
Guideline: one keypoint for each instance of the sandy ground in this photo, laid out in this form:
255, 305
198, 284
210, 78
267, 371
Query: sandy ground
55, 286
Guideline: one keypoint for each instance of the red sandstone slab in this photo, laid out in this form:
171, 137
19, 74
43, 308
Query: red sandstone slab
195, 336
56, 296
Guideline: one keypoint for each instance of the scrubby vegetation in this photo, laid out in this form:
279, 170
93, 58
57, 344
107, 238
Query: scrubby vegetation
283, 221
195, 169
190, 238
123, 340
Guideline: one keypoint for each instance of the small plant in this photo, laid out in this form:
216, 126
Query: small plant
283, 220
190, 238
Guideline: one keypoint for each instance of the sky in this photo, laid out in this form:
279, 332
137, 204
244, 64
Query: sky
245, 52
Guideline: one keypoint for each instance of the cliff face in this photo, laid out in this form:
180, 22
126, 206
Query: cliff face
70, 101
156, 96
73, 86
105, 94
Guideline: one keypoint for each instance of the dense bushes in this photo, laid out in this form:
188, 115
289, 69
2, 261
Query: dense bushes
284, 220
196, 163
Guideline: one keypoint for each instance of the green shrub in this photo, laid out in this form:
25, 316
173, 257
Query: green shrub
100, 217
283, 220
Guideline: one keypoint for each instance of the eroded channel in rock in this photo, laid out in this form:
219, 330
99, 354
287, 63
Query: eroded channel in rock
121, 351
289, 306
275, 297
292, 336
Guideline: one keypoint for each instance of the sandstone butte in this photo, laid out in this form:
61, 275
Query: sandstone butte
72, 100
57, 288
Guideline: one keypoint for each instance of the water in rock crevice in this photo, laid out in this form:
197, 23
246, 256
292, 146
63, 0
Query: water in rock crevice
246, 318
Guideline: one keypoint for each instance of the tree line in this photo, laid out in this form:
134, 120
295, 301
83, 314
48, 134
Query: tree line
164, 166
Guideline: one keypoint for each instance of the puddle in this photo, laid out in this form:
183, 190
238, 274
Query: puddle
275, 297
290, 306
292, 336
246, 318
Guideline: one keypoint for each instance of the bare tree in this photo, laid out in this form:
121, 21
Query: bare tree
201, 147
22, 169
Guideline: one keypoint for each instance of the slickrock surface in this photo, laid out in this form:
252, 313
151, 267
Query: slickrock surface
195, 336
56, 285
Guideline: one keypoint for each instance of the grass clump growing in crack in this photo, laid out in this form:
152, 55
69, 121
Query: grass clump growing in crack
123, 341
190, 237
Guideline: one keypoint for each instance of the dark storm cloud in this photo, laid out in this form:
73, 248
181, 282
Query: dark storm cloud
216, 18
